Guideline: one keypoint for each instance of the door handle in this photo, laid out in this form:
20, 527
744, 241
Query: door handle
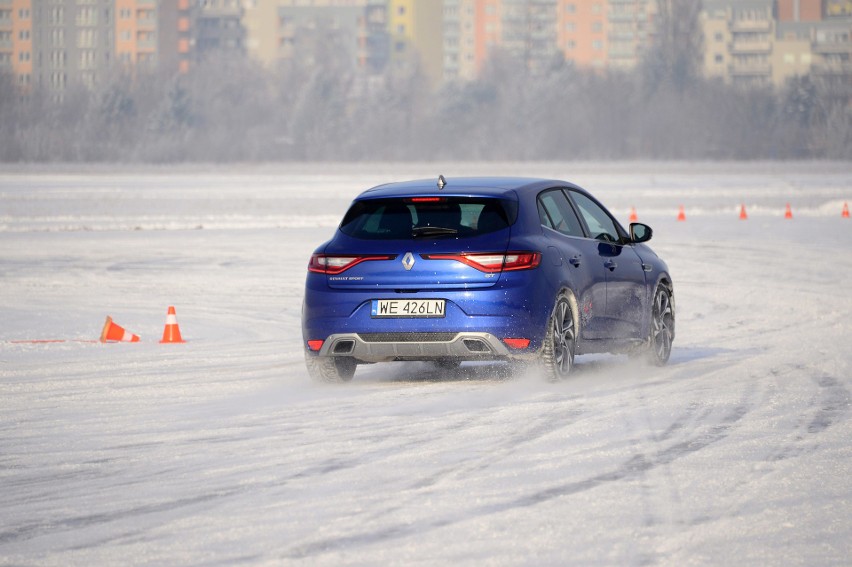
575, 261
611, 265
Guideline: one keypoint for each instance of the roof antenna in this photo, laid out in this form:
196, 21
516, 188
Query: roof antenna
441, 182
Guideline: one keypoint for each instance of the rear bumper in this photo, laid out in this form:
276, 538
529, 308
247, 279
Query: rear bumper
518, 308
385, 347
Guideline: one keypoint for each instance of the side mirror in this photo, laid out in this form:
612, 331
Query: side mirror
640, 232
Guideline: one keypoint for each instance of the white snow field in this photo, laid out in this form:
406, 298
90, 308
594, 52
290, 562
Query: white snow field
221, 451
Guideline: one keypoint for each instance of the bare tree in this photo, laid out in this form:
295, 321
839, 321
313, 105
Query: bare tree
321, 106
10, 149
677, 45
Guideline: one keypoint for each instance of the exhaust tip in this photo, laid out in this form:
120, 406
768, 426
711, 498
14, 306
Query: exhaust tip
476, 345
344, 347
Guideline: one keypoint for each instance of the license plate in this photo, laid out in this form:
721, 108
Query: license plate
408, 308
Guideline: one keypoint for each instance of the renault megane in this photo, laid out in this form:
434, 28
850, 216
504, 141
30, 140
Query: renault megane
501, 269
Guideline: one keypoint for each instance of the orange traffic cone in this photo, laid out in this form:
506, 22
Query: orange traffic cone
171, 334
633, 216
743, 214
681, 215
788, 214
114, 333
845, 213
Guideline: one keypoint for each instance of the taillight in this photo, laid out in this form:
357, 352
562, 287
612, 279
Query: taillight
493, 262
335, 264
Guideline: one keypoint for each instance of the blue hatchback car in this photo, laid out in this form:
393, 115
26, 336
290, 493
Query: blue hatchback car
502, 269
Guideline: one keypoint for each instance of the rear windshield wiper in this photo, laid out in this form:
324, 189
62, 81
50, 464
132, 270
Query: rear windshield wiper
419, 231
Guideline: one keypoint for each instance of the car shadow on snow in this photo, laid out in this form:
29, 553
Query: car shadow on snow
425, 372
484, 372
421, 372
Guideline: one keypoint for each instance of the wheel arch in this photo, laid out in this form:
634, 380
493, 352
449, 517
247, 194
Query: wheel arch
665, 279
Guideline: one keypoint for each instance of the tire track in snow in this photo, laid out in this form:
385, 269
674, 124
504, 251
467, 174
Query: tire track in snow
835, 401
827, 406
695, 439
630, 469
549, 424
76, 522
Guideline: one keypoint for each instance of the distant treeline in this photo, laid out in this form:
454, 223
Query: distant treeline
233, 110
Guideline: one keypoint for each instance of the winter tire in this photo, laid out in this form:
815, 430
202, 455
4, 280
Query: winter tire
560, 340
662, 326
334, 369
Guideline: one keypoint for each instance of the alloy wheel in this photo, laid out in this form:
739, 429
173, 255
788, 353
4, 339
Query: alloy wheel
563, 339
662, 326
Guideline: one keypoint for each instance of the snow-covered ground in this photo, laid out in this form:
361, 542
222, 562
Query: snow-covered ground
221, 450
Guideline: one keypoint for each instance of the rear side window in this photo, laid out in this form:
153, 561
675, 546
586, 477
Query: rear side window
427, 217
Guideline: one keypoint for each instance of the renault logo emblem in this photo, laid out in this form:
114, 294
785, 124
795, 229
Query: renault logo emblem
408, 261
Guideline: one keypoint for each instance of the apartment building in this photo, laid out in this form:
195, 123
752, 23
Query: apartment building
155, 35
57, 44
175, 36
374, 38
629, 25
368, 34
471, 29
767, 42
357, 32
596, 34
738, 38
416, 35
16, 41
792, 49
136, 33
218, 28
832, 53
73, 43
529, 30
583, 32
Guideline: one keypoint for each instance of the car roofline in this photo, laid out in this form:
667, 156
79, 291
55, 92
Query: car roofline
465, 186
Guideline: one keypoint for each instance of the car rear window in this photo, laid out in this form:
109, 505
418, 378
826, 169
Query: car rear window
427, 217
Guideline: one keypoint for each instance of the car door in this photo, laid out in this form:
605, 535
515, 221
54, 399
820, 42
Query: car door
577, 255
625, 276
